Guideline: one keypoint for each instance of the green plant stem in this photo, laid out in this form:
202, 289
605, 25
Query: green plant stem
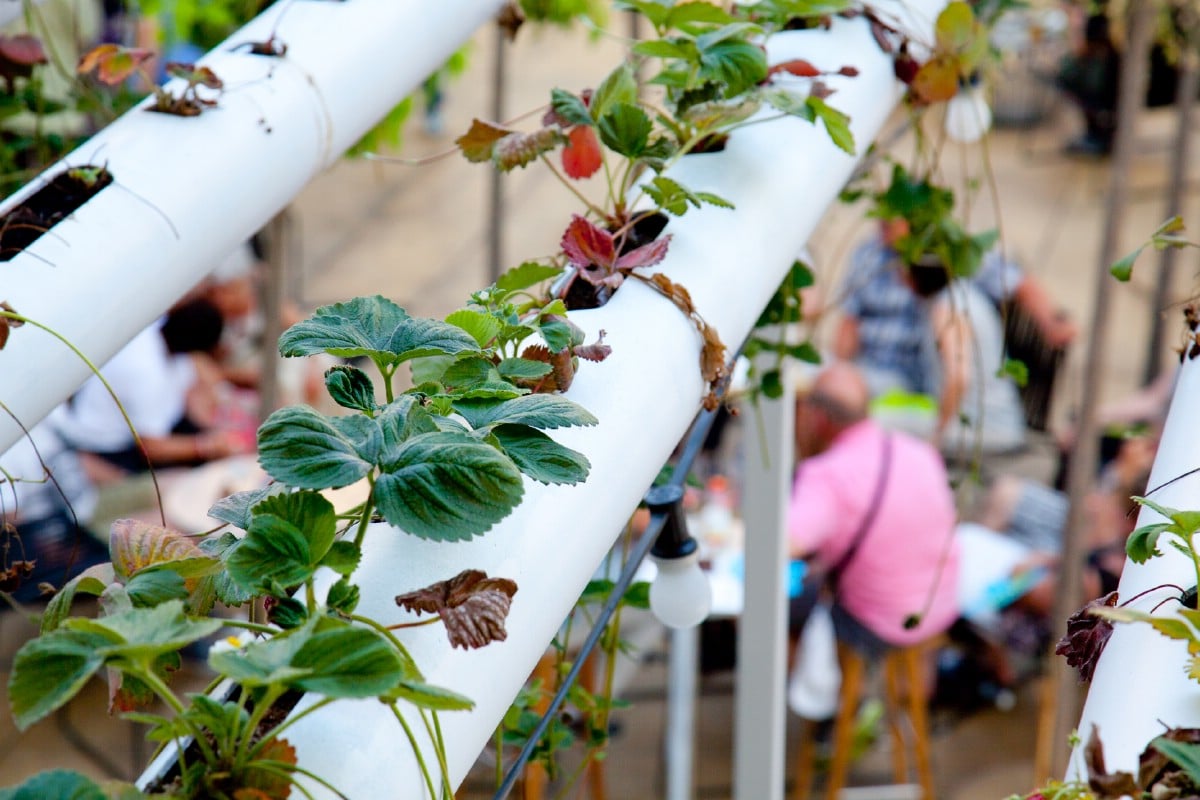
291, 720
12, 315
272, 693
147, 676
418, 624
284, 770
563, 180
368, 507
381, 628
251, 626
439, 749
310, 596
416, 748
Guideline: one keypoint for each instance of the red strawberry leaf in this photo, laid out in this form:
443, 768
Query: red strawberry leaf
796, 66
581, 158
113, 63
645, 256
587, 245
22, 49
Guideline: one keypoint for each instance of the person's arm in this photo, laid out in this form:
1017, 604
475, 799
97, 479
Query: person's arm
812, 513
845, 338
954, 349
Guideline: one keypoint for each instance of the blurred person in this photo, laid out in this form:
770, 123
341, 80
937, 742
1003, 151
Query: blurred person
882, 322
1089, 76
875, 508
176, 400
44, 495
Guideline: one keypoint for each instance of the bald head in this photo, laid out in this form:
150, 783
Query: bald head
841, 391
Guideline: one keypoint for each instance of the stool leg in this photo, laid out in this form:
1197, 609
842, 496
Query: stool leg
843, 728
920, 720
895, 710
595, 767
806, 757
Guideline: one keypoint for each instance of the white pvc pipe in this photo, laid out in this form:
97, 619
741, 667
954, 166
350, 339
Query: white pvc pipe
781, 176
188, 190
1140, 683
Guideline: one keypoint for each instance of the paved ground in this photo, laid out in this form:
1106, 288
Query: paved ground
418, 234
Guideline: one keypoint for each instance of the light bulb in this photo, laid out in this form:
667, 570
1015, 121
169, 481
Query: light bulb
680, 595
968, 116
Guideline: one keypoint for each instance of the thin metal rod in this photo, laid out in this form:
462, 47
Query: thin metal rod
1189, 83
495, 230
694, 443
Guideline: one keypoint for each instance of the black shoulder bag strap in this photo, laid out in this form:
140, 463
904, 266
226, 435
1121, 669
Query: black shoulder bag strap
835, 572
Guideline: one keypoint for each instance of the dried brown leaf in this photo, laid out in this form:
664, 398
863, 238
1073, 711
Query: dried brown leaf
135, 545
263, 785
1115, 785
477, 143
510, 19
473, 607
1086, 636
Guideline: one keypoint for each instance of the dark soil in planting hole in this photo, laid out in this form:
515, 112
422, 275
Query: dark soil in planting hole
272, 719
580, 294
49, 205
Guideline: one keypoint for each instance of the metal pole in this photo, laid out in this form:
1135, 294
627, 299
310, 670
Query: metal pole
495, 232
1189, 84
1081, 479
273, 294
680, 741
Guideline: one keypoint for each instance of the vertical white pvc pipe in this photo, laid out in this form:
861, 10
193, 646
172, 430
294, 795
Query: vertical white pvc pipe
683, 666
760, 719
1141, 683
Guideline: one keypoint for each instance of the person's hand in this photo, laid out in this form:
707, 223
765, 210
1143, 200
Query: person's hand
1061, 330
213, 445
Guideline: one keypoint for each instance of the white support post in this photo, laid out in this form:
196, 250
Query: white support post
760, 721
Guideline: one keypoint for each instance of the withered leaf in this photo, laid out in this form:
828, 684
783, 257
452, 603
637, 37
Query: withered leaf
201, 76
518, 149
134, 545
113, 63
269, 785
473, 607
562, 372
675, 292
1115, 785
594, 352
16, 573
712, 356
510, 19
1086, 637
477, 143
1154, 767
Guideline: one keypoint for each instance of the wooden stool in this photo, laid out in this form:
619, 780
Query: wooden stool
535, 779
904, 696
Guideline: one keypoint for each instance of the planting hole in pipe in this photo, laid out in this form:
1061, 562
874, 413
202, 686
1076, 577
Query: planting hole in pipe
45, 208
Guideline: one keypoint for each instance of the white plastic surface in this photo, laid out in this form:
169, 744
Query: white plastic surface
1140, 683
188, 190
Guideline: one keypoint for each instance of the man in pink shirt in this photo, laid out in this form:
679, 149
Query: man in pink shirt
899, 585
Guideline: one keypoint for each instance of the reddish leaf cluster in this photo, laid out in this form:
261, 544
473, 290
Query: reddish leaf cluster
18, 56
113, 63
593, 251
562, 363
15, 574
1159, 776
473, 607
1086, 636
